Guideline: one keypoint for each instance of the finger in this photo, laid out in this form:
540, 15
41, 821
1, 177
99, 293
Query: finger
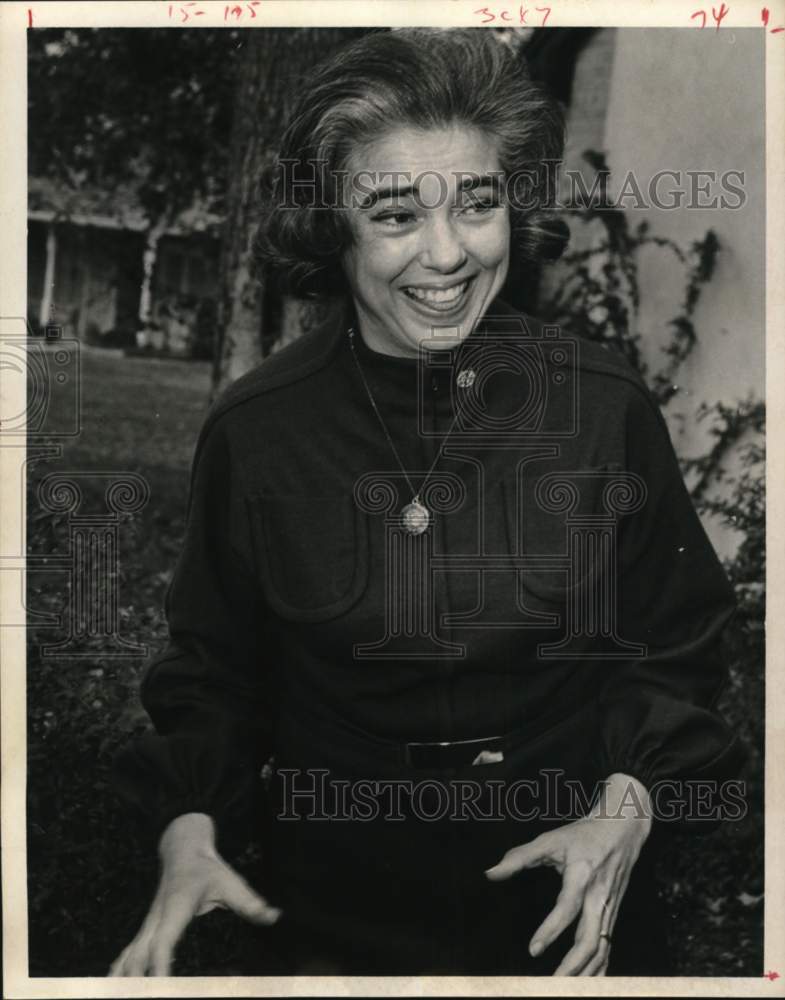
524, 856
585, 955
605, 901
599, 965
568, 906
131, 959
161, 964
577, 967
242, 900
115, 969
174, 917
118, 963
176, 914
588, 942
594, 928
136, 962
621, 882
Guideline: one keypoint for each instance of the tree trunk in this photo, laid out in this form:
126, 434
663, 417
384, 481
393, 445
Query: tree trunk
274, 62
45, 308
149, 258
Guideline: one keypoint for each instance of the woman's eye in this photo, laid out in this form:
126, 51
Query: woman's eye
479, 206
395, 219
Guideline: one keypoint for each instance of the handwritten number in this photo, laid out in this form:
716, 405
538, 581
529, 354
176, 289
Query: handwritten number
547, 13
719, 16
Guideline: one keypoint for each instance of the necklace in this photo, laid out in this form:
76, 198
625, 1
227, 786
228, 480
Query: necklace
415, 516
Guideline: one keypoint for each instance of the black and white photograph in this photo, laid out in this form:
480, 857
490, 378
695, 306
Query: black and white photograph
384, 465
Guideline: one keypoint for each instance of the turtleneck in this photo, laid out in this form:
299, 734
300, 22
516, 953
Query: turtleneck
450, 356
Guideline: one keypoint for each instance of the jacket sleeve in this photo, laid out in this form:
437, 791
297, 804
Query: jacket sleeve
659, 718
207, 693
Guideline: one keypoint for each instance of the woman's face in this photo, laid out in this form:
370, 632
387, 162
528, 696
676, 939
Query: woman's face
431, 236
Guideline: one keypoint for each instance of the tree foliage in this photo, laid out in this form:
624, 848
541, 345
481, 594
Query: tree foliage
269, 81
148, 110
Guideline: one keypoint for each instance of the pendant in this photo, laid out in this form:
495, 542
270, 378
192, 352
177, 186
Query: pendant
415, 517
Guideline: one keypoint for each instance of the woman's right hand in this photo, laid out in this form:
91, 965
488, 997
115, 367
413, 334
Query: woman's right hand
194, 880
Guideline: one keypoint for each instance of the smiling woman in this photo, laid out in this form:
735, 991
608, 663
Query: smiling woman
432, 611
414, 84
432, 253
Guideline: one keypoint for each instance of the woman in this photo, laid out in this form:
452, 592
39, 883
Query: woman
441, 581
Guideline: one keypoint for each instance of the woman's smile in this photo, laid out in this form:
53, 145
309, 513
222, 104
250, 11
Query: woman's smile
440, 299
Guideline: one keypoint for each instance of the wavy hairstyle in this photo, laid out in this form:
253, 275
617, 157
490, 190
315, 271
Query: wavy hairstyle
416, 77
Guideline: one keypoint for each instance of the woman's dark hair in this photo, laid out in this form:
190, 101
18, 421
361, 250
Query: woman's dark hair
417, 77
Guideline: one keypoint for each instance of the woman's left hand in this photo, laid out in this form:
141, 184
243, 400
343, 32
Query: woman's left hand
595, 856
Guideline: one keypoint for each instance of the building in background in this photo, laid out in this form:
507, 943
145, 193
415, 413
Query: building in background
86, 272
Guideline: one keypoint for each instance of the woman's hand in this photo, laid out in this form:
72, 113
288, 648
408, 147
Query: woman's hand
595, 856
194, 880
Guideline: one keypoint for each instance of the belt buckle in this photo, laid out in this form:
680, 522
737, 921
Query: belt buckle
458, 753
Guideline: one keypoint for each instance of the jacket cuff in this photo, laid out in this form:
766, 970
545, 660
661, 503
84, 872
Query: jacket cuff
700, 800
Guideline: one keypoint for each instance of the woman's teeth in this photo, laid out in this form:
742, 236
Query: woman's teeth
438, 296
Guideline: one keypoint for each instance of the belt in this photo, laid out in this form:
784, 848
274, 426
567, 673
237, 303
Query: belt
337, 736
458, 753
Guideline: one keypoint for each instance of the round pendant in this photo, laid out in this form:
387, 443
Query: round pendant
415, 517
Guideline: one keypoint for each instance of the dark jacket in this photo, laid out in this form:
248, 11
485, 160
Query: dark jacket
565, 596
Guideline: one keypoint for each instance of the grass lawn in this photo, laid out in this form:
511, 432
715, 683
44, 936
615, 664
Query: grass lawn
90, 875
138, 412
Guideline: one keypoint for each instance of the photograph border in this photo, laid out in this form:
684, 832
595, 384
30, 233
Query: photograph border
15, 20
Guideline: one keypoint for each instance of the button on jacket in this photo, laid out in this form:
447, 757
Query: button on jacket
564, 597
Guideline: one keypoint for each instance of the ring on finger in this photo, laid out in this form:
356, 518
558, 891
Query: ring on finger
606, 932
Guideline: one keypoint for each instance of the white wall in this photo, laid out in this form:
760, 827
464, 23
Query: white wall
686, 99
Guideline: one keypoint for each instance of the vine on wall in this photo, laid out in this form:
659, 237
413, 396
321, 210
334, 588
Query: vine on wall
598, 297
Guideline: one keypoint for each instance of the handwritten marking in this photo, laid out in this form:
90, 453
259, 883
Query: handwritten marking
717, 15
547, 14
764, 16
771, 976
508, 14
29, 18
185, 11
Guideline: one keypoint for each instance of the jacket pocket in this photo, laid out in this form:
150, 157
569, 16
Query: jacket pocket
539, 542
311, 554
553, 570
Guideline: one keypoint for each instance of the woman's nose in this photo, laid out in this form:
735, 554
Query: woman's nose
443, 249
